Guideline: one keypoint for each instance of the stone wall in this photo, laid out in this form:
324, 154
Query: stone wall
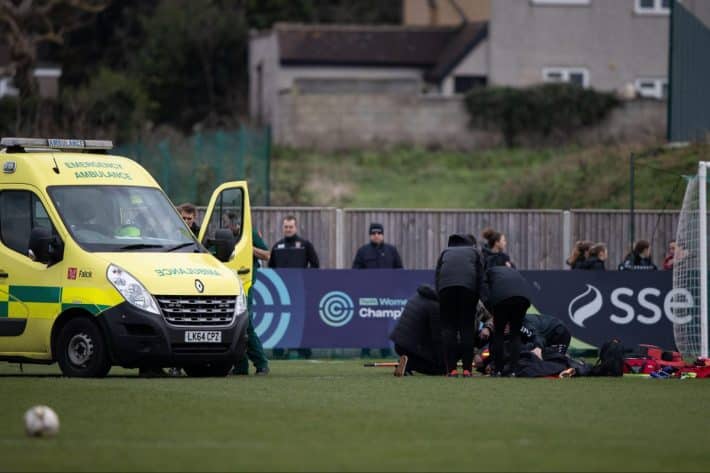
348, 121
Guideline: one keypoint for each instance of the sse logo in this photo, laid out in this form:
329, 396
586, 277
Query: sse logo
675, 306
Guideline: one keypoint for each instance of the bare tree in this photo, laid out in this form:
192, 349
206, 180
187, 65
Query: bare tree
31, 23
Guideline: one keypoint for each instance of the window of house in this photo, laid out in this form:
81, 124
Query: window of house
6, 87
652, 7
652, 88
463, 84
561, 2
572, 75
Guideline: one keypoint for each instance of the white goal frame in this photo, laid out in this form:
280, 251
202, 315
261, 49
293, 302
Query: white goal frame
703, 228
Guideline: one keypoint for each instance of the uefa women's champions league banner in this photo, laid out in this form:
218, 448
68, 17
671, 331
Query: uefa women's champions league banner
359, 308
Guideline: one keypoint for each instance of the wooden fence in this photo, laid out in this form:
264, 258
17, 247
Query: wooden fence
537, 239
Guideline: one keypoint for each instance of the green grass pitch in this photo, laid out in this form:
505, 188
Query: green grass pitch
337, 415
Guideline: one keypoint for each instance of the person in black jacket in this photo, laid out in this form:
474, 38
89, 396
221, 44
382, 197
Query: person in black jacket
596, 258
188, 212
417, 335
377, 255
639, 259
542, 332
292, 251
508, 299
494, 249
459, 283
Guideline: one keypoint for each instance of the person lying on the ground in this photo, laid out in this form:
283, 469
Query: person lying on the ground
539, 332
417, 335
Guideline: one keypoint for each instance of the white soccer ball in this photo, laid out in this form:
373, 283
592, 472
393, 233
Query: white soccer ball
41, 421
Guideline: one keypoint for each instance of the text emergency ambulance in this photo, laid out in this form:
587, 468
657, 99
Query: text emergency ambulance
97, 268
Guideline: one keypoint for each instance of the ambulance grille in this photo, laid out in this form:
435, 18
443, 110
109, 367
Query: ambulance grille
191, 311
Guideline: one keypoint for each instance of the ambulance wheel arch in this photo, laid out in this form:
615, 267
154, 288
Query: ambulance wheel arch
80, 345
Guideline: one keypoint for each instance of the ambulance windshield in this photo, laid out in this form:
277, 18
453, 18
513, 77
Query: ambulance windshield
121, 218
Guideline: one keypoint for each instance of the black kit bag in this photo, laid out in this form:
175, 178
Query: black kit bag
611, 359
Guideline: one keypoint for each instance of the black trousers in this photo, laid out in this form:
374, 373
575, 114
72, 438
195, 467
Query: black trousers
458, 317
509, 311
419, 364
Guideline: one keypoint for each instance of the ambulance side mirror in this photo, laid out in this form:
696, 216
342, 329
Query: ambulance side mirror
224, 242
45, 247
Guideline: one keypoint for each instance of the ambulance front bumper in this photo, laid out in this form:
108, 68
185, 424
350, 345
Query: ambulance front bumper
138, 338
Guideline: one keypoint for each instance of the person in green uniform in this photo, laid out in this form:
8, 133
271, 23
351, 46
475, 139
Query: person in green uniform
255, 351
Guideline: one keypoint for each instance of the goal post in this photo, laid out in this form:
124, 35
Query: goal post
690, 268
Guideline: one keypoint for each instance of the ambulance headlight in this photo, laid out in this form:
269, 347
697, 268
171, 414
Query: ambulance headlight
131, 290
240, 306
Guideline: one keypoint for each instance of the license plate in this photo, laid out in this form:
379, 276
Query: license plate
203, 337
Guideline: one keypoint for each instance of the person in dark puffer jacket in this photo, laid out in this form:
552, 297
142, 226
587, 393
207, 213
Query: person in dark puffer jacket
508, 299
459, 283
417, 335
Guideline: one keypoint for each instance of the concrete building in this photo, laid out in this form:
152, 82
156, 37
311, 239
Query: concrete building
444, 12
604, 44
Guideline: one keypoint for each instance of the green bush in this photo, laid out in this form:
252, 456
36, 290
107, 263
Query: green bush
541, 110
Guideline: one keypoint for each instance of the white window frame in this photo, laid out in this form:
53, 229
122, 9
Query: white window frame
561, 2
657, 9
565, 73
658, 84
6, 88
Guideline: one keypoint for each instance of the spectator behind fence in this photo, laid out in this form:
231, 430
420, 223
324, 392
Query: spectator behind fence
669, 259
639, 259
292, 251
579, 254
377, 255
189, 214
494, 249
596, 259
459, 284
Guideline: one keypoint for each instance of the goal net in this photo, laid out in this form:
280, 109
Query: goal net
690, 270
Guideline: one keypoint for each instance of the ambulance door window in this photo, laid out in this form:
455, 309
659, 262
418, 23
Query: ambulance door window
20, 212
228, 213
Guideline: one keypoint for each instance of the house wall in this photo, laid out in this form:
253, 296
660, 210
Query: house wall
263, 99
476, 63
420, 13
607, 37
289, 74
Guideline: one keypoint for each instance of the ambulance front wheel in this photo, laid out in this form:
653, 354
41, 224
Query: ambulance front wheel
82, 351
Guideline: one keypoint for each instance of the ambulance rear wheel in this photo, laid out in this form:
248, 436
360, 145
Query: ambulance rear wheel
209, 370
82, 351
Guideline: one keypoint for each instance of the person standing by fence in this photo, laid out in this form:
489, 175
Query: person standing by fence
377, 255
292, 251
494, 249
459, 283
639, 259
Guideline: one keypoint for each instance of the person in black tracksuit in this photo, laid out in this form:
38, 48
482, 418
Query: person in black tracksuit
508, 297
459, 283
292, 251
417, 334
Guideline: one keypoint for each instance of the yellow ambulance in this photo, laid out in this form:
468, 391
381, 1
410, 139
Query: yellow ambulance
97, 267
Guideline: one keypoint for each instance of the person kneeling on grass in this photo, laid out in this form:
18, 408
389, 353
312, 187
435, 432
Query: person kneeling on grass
417, 335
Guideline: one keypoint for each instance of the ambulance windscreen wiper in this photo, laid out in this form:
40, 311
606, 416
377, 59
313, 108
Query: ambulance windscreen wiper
138, 246
181, 245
